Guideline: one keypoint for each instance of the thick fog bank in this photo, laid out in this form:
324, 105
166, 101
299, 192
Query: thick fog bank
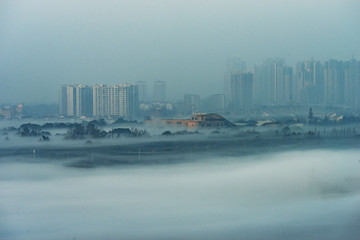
291, 195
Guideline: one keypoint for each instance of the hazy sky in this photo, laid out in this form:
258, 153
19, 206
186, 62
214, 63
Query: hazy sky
44, 44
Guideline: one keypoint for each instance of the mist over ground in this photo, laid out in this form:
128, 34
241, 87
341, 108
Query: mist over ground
290, 195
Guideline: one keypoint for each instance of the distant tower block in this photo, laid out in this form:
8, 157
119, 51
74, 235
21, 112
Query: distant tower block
142, 88
159, 93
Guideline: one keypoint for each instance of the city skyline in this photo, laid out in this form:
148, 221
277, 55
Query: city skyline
329, 83
186, 44
291, 77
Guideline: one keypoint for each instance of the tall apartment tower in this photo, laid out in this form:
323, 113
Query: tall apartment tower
129, 100
217, 102
234, 65
75, 100
357, 88
273, 83
334, 82
124, 100
101, 95
70, 100
142, 90
63, 101
287, 94
241, 90
310, 82
191, 103
159, 93
352, 78
84, 100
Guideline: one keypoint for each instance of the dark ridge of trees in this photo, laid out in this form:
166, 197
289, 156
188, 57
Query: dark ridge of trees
118, 132
31, 130
123, 121
44, 138
55, 125
135, 132
310, 116
183, 132
99, 123
80, 131
27, 132
76, 132
30, 126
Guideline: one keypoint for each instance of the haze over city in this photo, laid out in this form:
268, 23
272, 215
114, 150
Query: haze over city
184, 43
191, 119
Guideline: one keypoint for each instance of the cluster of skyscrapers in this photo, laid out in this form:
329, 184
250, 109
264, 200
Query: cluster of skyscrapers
99, 100
271, 83
122, 100
275, 83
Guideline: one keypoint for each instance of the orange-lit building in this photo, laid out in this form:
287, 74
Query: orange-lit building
210, 120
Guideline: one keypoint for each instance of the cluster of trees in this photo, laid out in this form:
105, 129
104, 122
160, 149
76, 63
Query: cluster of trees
77, 130
81, 131
31, 130
183, 132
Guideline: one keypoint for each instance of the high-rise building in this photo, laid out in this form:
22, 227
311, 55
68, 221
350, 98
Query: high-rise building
289, 85
159, 93
273, 83
334, 82
71, 100
357, 87
351, 77
99, 100
310, 82
241, 90
129, 100
191, 103
84, 100
260, 85
63, 101
101, 94
75, 100
142, 89
234, 65
217, 103
124, 100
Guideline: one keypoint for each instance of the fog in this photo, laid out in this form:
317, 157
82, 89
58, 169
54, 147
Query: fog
44, 44
289, 195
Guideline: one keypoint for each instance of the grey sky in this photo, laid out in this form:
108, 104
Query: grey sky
44, 44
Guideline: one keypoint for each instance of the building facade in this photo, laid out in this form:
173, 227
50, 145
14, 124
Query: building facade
241, 90
159, 93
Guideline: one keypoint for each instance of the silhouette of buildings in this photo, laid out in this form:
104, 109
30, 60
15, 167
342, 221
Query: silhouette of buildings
241, 90
191, 103
99, 100
159, 93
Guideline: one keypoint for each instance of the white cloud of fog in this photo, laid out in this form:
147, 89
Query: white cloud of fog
294, 195
47, 43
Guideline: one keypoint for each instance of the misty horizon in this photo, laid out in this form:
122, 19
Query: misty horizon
184, 43
181, 119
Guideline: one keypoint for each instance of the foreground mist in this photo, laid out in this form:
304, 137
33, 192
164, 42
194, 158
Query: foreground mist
291, 195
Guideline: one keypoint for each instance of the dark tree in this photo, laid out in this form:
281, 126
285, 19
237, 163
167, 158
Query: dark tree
311, 116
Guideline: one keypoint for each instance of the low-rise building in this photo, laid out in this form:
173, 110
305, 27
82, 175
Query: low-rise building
207, 120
